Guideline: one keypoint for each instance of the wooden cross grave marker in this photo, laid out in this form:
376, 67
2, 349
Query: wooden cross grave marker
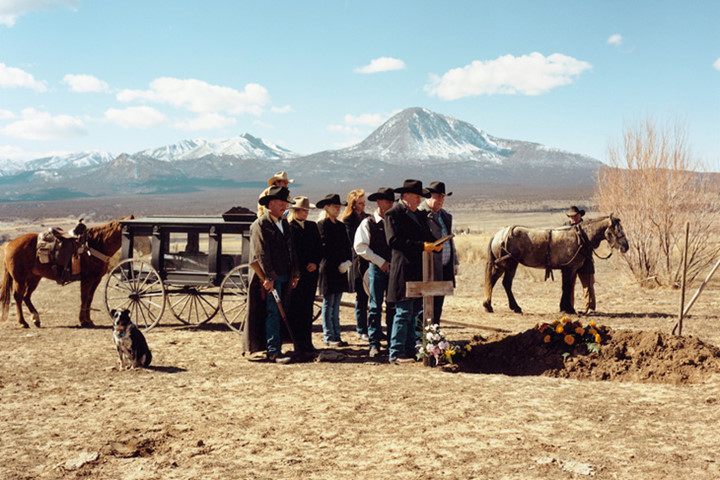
428, 289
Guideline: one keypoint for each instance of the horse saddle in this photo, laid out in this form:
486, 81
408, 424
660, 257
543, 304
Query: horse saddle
62, 250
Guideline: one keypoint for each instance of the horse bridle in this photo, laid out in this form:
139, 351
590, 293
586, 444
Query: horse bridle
614, 243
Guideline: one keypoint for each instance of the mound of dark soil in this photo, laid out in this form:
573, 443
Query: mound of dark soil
624, 355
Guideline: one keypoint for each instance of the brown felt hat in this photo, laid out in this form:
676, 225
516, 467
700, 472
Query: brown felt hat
274, 193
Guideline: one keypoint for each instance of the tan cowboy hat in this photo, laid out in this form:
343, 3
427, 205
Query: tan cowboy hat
279, 176
572, 211
301, 203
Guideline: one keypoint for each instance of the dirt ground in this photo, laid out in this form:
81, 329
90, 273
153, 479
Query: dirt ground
204, 411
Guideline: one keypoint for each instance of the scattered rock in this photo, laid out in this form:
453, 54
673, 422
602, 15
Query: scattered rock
78, 462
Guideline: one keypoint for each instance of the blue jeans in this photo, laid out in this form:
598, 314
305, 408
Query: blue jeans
378, 289
402, 340
273, 318
331, 317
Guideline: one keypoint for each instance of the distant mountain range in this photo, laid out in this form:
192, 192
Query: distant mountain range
415, 143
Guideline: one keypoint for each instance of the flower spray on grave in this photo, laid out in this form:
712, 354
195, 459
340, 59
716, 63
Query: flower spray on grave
566, 334
436, 347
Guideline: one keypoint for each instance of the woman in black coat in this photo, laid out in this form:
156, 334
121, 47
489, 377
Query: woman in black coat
308, 245
333, 267
354, 214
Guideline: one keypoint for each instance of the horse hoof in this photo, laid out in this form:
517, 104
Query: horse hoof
87, 325
517, 310
488, 307
36, 319
24, 325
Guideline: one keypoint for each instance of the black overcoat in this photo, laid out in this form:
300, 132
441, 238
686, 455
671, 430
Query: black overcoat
336, 250
274, 250
308, 246
406, 234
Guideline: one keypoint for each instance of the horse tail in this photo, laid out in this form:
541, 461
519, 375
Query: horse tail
5, 295
490, 264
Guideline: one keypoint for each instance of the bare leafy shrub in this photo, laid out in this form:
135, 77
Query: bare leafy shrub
655, 185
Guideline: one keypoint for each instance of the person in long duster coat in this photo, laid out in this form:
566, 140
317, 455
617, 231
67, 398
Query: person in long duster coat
333, 267
308, 245
271, 245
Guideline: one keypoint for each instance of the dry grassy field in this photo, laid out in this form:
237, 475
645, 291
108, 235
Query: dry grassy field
204, 411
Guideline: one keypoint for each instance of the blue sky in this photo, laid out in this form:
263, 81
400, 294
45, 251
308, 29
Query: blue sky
123, 76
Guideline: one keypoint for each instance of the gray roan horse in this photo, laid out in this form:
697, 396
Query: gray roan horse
563, 248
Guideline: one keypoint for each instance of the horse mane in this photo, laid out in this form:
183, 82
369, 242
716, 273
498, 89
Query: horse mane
100, 233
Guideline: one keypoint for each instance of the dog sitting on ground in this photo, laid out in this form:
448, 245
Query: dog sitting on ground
132, 349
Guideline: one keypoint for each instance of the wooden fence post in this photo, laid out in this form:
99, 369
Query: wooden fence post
684, 279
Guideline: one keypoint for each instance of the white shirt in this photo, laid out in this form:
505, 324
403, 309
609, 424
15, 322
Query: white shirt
361, 243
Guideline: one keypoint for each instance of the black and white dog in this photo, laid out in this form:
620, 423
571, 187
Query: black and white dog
132, 349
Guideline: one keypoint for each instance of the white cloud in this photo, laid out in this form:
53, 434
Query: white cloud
15, 77
532, 74
34, 125
367, 119
85, 83
285, 109
258, 123
345, 129
348, 143
382, 64
6, 114
10, 10
12, 153
615, 39
201, 97
717, 64
206, 121
135, 117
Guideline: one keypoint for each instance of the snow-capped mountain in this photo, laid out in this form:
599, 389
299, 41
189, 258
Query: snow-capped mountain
243, 146
415, 143
418, 143
72, 160
419, 135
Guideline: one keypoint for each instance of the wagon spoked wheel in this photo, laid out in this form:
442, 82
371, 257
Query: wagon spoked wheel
234, 298
194, 305
135, 285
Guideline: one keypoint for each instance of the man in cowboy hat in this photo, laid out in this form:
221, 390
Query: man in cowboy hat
271, 245
370, 243
279, 179
408, 236
439, 222
586, 272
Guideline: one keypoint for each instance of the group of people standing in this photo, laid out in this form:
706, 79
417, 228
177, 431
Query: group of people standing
344, 253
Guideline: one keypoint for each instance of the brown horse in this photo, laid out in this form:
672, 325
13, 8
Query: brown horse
23, 268
563, 248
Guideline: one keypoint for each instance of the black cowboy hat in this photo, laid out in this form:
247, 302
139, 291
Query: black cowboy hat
575, 211
413, 186
383, 193
274, 193
330, 199
438, 187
